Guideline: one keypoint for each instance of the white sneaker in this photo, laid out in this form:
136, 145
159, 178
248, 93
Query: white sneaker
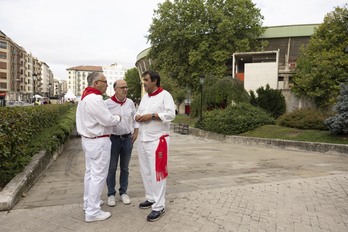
125, 199
101, 215
111, 201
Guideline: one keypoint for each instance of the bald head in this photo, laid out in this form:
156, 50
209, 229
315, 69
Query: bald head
121, 89
120, 83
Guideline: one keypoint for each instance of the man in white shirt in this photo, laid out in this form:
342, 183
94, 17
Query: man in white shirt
155, 112
122, 139
94, 123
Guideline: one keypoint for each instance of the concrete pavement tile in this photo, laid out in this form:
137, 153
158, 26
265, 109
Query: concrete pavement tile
212, 186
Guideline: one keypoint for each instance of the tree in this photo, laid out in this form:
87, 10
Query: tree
133, 83
270, 100
219, 94
197, 37
179, 93
323, 64
338, 124
179, 97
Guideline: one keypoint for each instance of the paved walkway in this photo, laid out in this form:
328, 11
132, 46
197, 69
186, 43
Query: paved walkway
212, 186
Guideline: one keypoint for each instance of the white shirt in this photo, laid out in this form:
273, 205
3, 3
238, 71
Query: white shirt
127, 112
93, 117
163, 105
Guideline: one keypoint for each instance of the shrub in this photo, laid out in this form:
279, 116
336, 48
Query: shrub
304, 119
235, 119
218, 93
338, 124
271, 100
26, 130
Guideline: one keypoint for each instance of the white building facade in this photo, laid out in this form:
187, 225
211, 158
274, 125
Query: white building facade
113, 73
77, 77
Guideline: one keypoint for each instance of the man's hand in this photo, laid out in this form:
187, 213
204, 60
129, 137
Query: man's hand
120, 118
143, 118
135, 134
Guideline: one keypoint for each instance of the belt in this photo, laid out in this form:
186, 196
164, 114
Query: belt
122, 136
97, 137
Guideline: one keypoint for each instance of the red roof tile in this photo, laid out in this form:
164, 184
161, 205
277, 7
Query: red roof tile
86, 68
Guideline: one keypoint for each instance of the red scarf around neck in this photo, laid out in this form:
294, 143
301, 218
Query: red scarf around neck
90, 90
117, 101
157, 91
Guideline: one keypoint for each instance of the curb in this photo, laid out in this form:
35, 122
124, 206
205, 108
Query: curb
327, 148
23, 181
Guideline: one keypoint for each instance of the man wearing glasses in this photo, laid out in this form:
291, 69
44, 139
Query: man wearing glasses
94, 123
122, 139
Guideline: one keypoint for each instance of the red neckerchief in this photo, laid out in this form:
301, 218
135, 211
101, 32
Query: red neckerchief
117, 101
161, 159
157, 91
90, 90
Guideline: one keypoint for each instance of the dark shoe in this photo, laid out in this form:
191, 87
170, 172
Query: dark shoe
145, 205
155, 215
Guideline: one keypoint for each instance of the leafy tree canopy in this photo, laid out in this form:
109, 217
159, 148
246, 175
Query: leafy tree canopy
323, 65
179, 93
194, 37
219, 93
134, 83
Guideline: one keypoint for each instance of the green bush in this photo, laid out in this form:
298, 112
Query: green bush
271, 100
338, 124
218, 93
26, 130
235, 119
304, 119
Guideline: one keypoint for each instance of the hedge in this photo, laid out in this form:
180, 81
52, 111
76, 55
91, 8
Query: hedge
26, 130
235, 119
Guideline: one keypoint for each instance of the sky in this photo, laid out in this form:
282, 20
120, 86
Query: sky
68, 33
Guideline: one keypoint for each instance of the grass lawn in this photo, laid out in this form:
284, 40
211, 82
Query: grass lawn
281, 132
183, 118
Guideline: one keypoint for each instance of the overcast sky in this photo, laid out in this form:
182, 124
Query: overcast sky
67, 33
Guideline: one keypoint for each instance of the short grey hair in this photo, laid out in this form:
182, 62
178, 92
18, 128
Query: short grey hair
92, 77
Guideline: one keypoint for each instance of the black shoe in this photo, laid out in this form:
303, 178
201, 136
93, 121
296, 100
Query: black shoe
155, 215
145, 205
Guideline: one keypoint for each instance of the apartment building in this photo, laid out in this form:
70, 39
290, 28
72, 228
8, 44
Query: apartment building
113, 73
77, 77
21, 74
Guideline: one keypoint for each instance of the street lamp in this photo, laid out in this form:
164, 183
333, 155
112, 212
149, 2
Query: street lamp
34, 80
201, 81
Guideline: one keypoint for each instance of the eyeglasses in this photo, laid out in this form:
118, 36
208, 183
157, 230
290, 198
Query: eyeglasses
123, 87
103, 81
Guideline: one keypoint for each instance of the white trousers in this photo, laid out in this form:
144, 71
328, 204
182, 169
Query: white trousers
155, 191
97, 157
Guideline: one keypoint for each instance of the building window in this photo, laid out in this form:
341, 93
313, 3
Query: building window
3, 75
3, 65
3, 55
3, 85
3, 44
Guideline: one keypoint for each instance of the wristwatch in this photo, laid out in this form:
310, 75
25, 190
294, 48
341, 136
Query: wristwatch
153, 117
